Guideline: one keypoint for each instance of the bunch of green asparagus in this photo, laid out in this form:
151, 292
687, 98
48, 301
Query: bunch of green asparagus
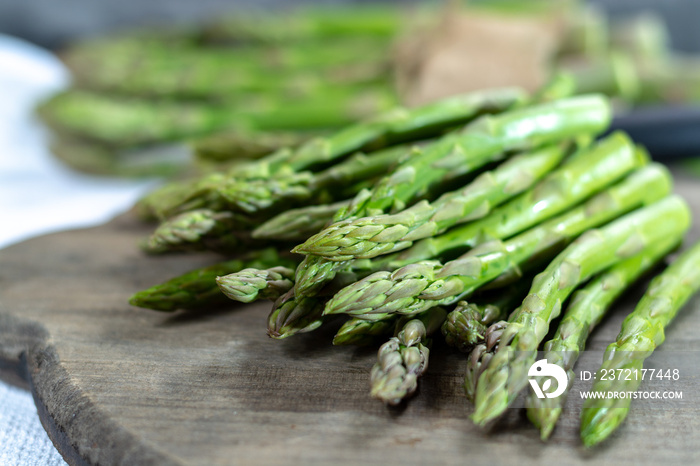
479, 215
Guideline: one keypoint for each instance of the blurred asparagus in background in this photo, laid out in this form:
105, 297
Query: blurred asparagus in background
246, 85
306, 23
253, 82
222, 148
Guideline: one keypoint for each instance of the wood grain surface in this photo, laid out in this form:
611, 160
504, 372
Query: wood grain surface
119, 385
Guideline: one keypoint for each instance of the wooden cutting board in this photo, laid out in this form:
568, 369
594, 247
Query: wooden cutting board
118, 385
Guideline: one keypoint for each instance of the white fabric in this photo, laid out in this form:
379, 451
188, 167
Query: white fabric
39, 195
23, 440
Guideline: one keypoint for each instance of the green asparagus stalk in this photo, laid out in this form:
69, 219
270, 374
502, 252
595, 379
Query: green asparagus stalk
588, 171
586, 309
422, 285
404, 358
466, 325
282, 189
642, 332
291, 315
198, 230
251, 196
197, 289
126, 121
244, 145
478, 143
368, 237
506, 374
179, 197
251, 284
95, 158
297, 224
363, 332
478, 360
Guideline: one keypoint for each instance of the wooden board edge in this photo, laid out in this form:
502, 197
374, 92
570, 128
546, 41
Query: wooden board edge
36, 367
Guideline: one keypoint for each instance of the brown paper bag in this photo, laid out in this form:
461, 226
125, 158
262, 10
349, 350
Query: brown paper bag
469, 50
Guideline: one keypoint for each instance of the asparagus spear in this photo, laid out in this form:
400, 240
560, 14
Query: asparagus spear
95, 158
477, 361
586, 309
480, 142
252, 196
244, 145
362, 332
126, 121
506, 373
291, 315
197, 289
297, 224
368, 237
180, 196
251, 284
404, 358
197, 230
466, 325
422, 285
642, 332
602, 164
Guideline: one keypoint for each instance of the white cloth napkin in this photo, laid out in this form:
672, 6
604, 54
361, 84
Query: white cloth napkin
39, 195
22, 439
